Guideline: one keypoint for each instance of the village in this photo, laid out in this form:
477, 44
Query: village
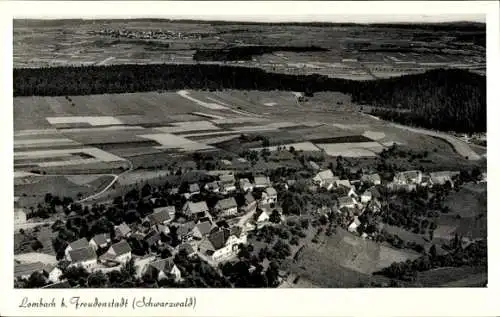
212, 220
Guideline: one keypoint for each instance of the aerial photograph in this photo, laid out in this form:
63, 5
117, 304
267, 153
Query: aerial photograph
204, 153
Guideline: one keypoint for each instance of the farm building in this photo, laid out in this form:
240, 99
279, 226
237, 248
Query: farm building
193, 189
25, 270
227, 183
86, 257
75, 245
250, 204
269, 196
53, 273
160, 216
163, 268
262, 215
372, 179
261, 182
408, 177
325, 179
185, 231
195, 209
122, 231
119, 252
202, 229
440, 178
366, 197
213, 187
100, 241
346, 201
222, 244
227, 206
245, 185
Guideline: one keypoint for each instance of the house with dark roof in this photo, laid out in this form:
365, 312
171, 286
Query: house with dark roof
153, 238
269, 196
78, 244
222, 244
159, 219
164, 268
24, 270
202, 229
227, 206
119, 252
250, 203
122, 231
101, 241
85, 257
185, 231
198, 209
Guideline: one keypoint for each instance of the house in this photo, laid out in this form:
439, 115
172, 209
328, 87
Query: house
195, 209
346, 201
227, 183
213, 187
408, 177
366, 197
262, 215
372, 179
245, 185
85, 257
193, 189
227, 206
52, 272
185, 231
160, 218
250, 204
202, 229
100, 241
261, 182
75, 245
122, 231
223, 243
19, 216
402, 187
24, 270
440, 178
119, 252
226, 162
325, 179
164, 268
153, 239
354, 225
269, 196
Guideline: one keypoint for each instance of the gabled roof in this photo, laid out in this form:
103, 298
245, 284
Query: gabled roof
370, 178
227, 178
236, 231
123, 228
262, 181
193, 188
249, 199
204, 227
218, 238
82, 254
185, 228
169, 209
186, 247
121, 248
227, 203
152, 237
270, 191
343, 182
27, 268
314, 165
159, 217
101, 238
212, 185
163, 265
80, 243
245, 181
325, 175
195, 208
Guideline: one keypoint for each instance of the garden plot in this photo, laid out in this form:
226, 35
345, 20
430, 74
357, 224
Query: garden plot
212, 106
22, 144
97, 154
102, 129
171, 141
239, 120
91, 120
34, 132
188, 126
362, 149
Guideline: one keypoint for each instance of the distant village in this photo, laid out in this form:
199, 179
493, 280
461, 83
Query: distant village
216, 234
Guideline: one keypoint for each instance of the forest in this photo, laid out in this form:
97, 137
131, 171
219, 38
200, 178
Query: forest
441, 99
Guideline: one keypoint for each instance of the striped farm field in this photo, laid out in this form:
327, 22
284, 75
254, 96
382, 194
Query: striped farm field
362, 149
92, 120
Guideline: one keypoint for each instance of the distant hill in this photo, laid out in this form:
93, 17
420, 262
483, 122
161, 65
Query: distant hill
442, 99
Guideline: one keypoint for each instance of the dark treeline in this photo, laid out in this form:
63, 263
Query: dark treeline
245, 53
442, 99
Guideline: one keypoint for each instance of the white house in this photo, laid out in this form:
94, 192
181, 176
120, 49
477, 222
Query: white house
245, 185
325, 179
85, 257
222, 244
163, 268
269, 196
227, 206
354, 225
53, 273
100, 241
366, 197
120, 252
75, 245
262, 216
